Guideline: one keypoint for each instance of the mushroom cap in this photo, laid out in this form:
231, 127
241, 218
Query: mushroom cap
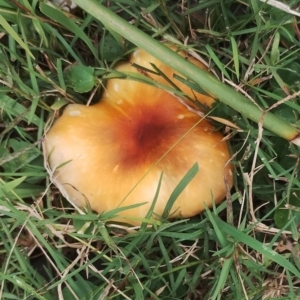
112, 154
144, 59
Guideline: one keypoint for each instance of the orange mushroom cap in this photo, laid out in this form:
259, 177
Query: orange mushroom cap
112, 154
142, 58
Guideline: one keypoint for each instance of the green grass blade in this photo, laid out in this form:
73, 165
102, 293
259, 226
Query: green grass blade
180, 187
235, 54
206, 81
241, 237
14, 35
61, 18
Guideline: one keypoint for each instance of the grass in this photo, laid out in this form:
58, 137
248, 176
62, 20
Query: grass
246, 248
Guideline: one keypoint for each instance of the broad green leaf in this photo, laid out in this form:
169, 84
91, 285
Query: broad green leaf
110, 49
81, 77
284, 214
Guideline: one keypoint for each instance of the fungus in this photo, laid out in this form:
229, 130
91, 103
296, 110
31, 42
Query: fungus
112, 154
142, 58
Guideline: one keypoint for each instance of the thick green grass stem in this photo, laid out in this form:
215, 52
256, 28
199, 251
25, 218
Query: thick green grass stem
206, 81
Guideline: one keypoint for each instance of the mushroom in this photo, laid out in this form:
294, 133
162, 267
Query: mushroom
112, 154
142, 58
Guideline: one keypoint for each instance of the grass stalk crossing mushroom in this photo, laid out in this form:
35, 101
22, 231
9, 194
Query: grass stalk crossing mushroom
221, 91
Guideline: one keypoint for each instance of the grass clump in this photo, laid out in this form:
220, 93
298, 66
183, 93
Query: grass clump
246, 248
